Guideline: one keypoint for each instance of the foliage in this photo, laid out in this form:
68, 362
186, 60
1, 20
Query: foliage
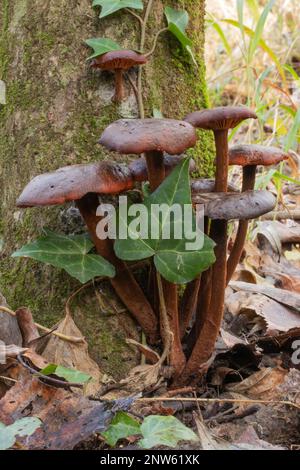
155, 430
21, 427
122, 426
71, 253
177, 24
171, 258
71, 375
101, 46
111, 6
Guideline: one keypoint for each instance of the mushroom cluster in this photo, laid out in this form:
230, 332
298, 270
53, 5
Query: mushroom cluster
195, 320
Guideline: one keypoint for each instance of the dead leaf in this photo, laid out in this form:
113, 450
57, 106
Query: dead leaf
244, 275
249, 440
231, 340
73, 355
260, 385
68, 418
291, 299
276, 316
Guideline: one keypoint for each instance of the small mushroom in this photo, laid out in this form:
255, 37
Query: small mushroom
249, 157
222, 206
236, 206
151, 137
118, 61
219, 120
82, 184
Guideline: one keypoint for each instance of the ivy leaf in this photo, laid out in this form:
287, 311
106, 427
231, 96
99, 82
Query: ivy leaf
101, 46
164, 431
21, 427
172, 259
71, 375
70, 253
122, 426
111, 6
177, 24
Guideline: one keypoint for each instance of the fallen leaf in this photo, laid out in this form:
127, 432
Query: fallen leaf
249, 440
276, 316
261, 384
291, 299
164, 431
68, 418
73, 355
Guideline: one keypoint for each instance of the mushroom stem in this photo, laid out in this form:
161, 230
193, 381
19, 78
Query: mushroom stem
156, 169
124, 283
177, 357
188, 304
199, 293
249, 173
212, 304
221, 140
119, 85
206, 340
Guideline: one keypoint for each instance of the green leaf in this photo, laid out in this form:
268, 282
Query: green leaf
173, 260
259, 29
122, 426
21, 427
71, 375
177, 23
111, 6
70, 253
101, 46
164, 431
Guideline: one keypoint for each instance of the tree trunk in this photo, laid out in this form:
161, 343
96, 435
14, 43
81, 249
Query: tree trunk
57, 108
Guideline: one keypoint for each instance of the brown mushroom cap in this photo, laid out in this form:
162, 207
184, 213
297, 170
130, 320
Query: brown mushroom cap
121, 59
245, 155
136, 136
73, 182
139, 170
219, 118
232, 206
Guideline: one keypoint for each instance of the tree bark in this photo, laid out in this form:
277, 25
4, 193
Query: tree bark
56, 110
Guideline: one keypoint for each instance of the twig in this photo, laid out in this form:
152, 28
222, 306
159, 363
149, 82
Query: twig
135, 15
221, 400
155, 42
46, 378
2, 377
142, 45
71, 339
168, 335
282, 215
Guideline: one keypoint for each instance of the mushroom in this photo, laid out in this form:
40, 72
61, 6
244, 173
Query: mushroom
219, 120
118, 61
82, 184
222, 206
153, 137
249, 157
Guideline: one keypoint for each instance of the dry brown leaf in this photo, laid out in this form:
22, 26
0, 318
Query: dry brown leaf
260, 385
73, 355
291, 299
67, 418
276, 316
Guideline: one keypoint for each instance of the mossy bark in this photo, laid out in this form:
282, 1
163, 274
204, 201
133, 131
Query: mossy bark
56, 110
